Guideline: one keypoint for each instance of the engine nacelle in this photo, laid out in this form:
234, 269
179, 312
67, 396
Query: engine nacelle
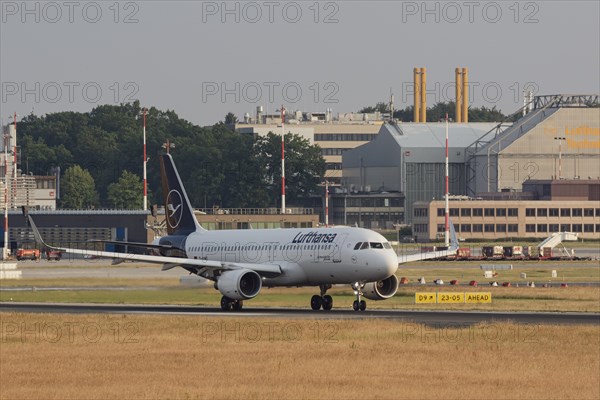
239, 284
381, 290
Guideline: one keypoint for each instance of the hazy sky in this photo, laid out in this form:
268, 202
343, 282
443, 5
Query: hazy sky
204, 59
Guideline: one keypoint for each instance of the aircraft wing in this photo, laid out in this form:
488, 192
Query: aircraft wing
205, 268
433, 254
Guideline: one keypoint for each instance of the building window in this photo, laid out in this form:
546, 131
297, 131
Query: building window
530, 228
441, 212
441, 228
542, 212
500, 212
588, 212
421, 212
553, 227
597, 212
565, 212
501, 228
478, 212
342, 137
577, 228
513, 212
597, 228
465, 227
565, 227
489, 228
465, 212
553, 212
513, 227
454, 212
542, 227
576, 212
489, 212
588, 227
477, 228
530, 212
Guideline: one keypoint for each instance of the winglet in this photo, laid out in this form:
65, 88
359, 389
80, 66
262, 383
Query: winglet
453, 239
36, 232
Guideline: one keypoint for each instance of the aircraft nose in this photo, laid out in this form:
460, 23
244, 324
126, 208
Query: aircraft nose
391, 262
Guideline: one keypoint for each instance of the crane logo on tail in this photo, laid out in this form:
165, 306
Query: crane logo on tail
174, 205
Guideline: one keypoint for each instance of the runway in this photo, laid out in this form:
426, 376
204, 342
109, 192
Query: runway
436, 318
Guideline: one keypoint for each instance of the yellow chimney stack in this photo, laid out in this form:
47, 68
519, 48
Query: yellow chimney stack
423, 110
417, 94
465, 95
459, 89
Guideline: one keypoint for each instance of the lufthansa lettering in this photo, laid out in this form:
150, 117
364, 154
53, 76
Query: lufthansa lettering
314, 237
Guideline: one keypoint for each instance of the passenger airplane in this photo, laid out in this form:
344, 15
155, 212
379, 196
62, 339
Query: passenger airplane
241, 262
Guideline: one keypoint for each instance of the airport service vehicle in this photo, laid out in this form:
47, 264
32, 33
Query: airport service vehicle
53, 255
242, 262
28, 254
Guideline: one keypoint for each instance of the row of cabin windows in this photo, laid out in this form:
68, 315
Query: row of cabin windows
211, 249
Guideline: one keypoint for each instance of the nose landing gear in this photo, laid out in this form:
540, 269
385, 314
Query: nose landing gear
358, 303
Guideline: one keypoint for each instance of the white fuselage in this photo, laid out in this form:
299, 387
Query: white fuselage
306, 256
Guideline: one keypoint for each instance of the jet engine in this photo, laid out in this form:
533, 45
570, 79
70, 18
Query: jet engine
381, 290
240, 284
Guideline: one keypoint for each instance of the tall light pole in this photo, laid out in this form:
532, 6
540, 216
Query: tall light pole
168, 145
560, 140
6, 140
447, 213
145, 161
282, 159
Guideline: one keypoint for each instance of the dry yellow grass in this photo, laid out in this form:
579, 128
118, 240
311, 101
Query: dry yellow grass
186, 357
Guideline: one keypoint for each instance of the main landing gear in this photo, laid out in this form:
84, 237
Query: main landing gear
358, 303
228, 304
324, 300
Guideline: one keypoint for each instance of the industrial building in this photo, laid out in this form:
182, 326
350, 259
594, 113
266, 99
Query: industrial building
543, 207
558, 137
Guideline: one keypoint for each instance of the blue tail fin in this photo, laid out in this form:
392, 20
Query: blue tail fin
179, 214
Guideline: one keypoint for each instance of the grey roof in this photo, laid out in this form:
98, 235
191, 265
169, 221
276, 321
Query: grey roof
433, 134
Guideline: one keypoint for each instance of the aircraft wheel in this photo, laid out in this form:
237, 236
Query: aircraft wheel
355, 305
362, 305
315, 302
226, 303
327, 302
237, 305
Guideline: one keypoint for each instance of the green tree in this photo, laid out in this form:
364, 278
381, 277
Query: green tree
230, 118
304, 165
78, 189
127, 192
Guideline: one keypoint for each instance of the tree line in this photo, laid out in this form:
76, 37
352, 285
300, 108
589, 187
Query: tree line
100, 157
438, 112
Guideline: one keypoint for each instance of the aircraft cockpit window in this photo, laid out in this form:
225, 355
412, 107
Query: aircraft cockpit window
365, 245
387, 245
376, 245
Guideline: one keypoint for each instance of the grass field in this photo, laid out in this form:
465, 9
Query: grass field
44, 356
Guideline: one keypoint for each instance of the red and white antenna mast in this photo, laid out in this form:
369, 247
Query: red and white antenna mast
145, 161
282, 160
447, 230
